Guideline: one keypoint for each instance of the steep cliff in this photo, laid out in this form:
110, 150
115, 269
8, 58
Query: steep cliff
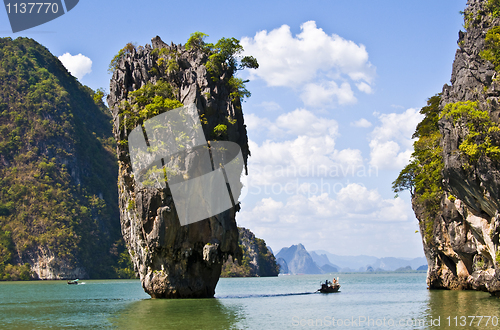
298, 260
455, 173
174, 260
58, 212
257, 259
283, 266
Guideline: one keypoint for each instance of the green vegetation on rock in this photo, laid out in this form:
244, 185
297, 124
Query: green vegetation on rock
472, 19
266, 260
492, 47
493, 7
146, 102
165, 62
423, 177
197, 41
491, 51
129, 48
220, 132
483, 134
224, 61
256, 259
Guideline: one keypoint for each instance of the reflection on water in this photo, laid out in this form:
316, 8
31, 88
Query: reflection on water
178, 314
460, 309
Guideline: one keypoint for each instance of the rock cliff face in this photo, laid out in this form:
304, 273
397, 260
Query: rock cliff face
174, 261
283, 266
298, 260
462, 242
257, 259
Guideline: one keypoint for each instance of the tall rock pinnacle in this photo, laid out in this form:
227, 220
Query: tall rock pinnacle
172, 259
456, 175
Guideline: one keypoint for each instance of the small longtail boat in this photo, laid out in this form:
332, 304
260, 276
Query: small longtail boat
329, 287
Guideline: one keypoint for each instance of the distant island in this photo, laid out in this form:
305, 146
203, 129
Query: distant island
297, 260
259, 261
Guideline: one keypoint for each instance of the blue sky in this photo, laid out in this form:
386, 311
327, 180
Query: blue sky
333, 107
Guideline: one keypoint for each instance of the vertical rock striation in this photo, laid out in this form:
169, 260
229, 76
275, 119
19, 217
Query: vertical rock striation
462, 242
174, 261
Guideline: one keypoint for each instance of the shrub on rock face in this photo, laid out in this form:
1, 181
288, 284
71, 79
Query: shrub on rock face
422, 176
257, 259
483, 135
129, 48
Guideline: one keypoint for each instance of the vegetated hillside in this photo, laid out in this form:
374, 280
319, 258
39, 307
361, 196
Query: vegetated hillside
59, 215
454, 175
257, 259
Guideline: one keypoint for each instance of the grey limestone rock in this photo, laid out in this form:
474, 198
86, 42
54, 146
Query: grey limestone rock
298, 260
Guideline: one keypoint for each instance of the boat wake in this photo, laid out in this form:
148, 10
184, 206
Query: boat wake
265, 295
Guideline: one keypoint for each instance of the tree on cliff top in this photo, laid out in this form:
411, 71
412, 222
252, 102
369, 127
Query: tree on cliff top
224, 54
224, 57
129, 48
422, 176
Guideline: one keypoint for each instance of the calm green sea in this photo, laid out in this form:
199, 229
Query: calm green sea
366, 301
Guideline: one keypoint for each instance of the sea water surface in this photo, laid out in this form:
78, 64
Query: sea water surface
366, 301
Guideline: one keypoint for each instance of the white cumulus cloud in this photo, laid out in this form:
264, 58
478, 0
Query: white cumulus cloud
333, 220
363, 123
321, 66
78, 65
304, 122
317, 95
391, 144
270, 106
364, 87
303, 146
